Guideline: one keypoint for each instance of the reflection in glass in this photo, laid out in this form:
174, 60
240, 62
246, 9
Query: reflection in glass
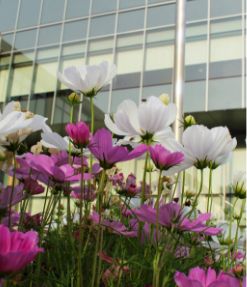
29, 13
3, 84
25, 39
75, 30
101, 102
196, 10
101, 6
52, 11
194, 96
120, 95
156, 91
228, 89
159, 57
62, 109
49, 35
77, 8
102, 25
161, 15
45, 77
21, 81
133, 20
225, 7
6, 42
42, 104
8, 11
131, 3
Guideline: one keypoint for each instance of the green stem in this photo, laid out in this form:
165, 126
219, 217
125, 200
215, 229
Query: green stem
183, 188
238, 224
209, 201
91, 127
12, 191
158, 202
175, 187
99, 237
144, 178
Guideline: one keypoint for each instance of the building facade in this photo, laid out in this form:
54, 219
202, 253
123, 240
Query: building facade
40, 37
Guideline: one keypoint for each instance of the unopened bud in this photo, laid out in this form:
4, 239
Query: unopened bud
189, 121
74, 98
165, 99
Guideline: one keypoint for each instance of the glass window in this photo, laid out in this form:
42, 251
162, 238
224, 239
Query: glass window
225, 7
130, 3
129, 61
194, 98
21, 81
49, 35
224, 93
161, 15
75, 30
8, 11
196, 10
77, 8
97, 59
47, 53
156, 90
130, 41
4, 61
101, 44
120, 95
102, 25
3, 84
25, 39
62, 109
158, 1
52, 11
29, 13
101, 6
159, 57
72, 49
23, 57
133, 20
42, 104
6, 42
101, 104
46, 77
166, 35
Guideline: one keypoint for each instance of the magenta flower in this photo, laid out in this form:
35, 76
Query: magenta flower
33, 187
163, 158
107, 154
79, 133
17, 249
198, 277
170, 215
6, 194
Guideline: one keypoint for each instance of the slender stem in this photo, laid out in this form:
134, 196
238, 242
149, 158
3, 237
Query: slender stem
99, 237
92, 127
144, 178
12, 191
238, 224
183, 188
157, 203
175, 187
209, 191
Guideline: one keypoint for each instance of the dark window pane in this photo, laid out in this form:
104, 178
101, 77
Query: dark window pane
29, 13
194, 98
77, 8
225, 7
131, 3
52, 11
102, 25
196, 10
161, 15
120, 95
75, 30
131, 21
49, 35
25, 39
8, 11
101, 6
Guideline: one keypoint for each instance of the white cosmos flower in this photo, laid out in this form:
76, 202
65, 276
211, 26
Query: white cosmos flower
15, 125
149, 121
203, 147
88, 79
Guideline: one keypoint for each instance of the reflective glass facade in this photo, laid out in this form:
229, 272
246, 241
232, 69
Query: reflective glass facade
40, 37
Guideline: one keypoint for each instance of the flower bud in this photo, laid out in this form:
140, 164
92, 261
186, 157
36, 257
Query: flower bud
74, 98
239, 185
165, 99
189, 121
79, 133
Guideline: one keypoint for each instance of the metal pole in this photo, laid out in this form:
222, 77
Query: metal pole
178, 74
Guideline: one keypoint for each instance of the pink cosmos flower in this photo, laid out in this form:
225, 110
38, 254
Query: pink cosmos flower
17, 249
170, 215
198, 277
79, 133
163, 158
107, 154
5, 196
32, 186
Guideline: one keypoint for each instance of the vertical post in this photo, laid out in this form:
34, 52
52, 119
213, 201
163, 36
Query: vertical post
178, 75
